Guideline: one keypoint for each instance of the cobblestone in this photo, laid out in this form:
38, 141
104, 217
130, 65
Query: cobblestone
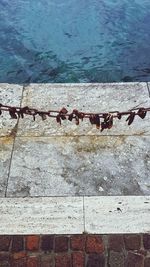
61, 244
116, 259
147, 262
77, 242
134, 260
33, 262
47, 261
78, 259
94, 244
116, 243
17, 243
4, 243
32, 243
85, 250
146, 241
132, 242
96, 261
63, 260
47, 243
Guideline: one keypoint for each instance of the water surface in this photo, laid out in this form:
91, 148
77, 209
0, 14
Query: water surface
74, 40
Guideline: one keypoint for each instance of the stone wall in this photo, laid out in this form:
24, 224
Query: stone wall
75, 251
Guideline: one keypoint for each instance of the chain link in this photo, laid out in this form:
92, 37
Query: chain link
102, 120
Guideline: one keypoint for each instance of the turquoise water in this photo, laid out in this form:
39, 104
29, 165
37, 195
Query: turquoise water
74, 40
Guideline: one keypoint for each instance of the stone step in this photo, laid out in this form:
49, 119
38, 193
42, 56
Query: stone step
75, 215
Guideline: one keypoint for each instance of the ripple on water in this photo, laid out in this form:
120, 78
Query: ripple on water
74, 41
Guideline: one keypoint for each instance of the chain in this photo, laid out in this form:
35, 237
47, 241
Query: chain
101, 120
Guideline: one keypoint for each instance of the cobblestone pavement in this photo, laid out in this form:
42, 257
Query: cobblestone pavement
75, 251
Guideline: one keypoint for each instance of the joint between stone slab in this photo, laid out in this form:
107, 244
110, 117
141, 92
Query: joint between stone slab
79, 136
25, 85
15, 135
148, 89
23, 88
9, 167
83, 215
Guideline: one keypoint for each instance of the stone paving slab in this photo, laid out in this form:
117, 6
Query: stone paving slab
6, 145
72, 160
84, 97
117, 214
81, 165
41, 215
75, 215
10, 94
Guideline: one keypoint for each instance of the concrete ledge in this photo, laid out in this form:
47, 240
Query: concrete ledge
41, 215
85, 97
122, 214
75, 215
44, 159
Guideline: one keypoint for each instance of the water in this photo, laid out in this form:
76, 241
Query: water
74, 40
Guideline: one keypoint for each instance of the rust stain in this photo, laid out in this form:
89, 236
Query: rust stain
141, 133
8, 139
96, 143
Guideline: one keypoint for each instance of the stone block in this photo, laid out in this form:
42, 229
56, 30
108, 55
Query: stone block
116, 259
116, 243
94, 244
63, 260
61, 166
61, 244
17, 243
32, 242
77, 242
5, 243
132, 242
134, 260
95, 260
78, 259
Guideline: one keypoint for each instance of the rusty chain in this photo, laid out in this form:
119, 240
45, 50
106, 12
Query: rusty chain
101, 120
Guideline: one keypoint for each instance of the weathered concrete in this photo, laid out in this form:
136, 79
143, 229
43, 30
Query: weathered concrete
75, 215
85, 165
49, 160
10, 94
85, 97
6, 145
117, 214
